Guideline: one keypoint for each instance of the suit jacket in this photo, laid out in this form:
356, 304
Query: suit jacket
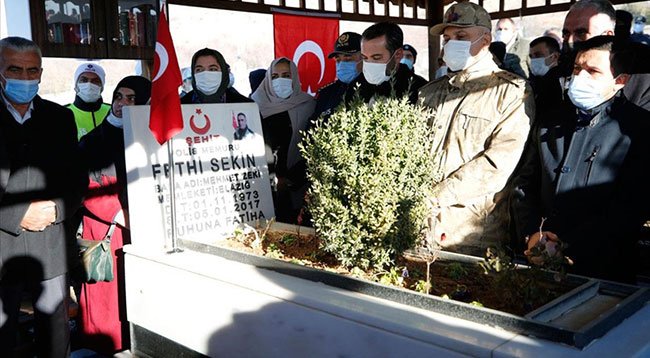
38, 161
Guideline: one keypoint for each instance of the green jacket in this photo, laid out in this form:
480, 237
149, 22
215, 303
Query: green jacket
88, 115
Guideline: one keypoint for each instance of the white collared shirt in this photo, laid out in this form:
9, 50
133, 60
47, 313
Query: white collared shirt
20, 119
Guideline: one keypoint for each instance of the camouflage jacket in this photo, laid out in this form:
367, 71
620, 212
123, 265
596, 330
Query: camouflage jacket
481, 119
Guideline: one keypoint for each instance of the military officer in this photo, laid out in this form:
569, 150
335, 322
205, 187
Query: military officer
481, 119
347, 53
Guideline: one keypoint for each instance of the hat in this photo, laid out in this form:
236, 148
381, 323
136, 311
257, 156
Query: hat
348, 43
90, 67
639, 19
186, 73
463, 14
140, 85
410, 48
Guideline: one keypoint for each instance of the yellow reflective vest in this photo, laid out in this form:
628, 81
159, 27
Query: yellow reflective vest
87, 121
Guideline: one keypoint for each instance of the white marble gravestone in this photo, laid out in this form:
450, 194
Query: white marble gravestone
220, 182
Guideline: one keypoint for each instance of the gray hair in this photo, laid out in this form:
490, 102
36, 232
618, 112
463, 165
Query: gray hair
19, 44
601, 7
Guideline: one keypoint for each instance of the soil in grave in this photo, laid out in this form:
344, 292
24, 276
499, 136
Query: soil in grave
466, 282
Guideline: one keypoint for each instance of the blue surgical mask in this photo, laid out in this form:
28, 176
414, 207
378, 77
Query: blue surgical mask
346, 71
587, 93
20, 91
408, 62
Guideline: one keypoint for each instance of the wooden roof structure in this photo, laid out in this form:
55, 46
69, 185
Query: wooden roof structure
406, 12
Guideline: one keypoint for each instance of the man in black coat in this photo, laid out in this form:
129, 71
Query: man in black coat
42, 184
587, 175
381, 50
545, 79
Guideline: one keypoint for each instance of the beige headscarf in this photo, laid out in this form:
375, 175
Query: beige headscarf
299, 105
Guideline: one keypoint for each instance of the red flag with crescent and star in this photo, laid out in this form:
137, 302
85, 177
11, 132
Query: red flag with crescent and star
166, 118
307, 40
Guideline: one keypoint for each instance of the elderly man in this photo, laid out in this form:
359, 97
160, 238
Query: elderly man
381, 50
481, 118
88, 107
43, 183
587, 174
516, 58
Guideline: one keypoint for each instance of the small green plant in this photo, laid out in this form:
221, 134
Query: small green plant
422, 286
273, 252
456, 271
288, 239
393, 277
516, 285
370, 169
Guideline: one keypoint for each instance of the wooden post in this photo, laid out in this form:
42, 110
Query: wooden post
435, 11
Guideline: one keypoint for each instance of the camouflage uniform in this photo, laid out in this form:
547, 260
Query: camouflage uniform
481, 124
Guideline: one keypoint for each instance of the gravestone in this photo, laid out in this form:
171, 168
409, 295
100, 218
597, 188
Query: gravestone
220, 174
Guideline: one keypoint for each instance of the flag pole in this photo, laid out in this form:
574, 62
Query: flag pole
172, 171
172, 196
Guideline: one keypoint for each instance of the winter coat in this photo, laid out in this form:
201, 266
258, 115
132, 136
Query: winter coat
481, 119
588, 177
40, 162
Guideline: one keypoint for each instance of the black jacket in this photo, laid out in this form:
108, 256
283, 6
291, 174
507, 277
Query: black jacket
589, 178
402, 82
550, 101
40, 162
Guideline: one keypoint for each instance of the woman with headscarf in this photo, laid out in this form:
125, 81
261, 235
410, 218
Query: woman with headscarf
285, 111
102, 305
211, 79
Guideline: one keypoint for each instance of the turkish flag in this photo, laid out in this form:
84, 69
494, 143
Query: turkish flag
165, 119
307, 40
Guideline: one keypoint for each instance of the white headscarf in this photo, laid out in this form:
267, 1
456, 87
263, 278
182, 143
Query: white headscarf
299, 105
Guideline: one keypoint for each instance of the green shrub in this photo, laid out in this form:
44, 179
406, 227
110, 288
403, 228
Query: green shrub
370, 170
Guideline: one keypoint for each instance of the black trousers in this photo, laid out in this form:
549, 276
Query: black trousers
50, 301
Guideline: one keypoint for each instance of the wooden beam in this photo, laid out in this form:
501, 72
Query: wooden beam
435, 12
266, 9
537, 10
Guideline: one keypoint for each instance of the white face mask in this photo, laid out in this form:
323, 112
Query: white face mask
375, 73
587, 93
208, 82
89, 92
114, 120
457, 56
638, 28
538, 66
502, 36
283, 87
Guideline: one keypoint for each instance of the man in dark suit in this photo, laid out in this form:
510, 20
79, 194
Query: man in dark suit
42, 184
